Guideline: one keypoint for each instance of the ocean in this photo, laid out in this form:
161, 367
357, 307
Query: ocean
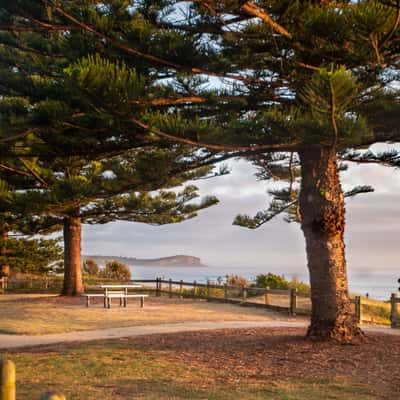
378, 285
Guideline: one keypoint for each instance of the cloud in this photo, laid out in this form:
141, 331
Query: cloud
372, 231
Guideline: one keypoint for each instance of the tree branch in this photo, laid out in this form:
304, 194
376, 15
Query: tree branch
294, 146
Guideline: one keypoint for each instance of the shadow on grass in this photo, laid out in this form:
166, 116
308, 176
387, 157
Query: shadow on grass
8, 332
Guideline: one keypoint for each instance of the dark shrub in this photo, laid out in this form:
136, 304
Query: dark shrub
116, 270
91, 267
236, 280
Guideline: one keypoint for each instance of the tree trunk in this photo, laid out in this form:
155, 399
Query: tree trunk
4, 267
73, 284
322, 222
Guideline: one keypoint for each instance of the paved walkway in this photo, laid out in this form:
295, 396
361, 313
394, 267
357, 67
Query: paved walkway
20, 341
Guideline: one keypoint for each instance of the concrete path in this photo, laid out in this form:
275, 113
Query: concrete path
8, 342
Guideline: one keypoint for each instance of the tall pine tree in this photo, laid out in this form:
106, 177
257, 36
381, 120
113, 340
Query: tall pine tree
83, 163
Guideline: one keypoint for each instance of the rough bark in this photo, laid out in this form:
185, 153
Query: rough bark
323, 221
73, 284
4, 267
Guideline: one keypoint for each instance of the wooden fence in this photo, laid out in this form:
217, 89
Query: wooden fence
288, 301
8, 383
394, 314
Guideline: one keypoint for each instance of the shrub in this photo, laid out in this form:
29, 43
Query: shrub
116, 270
236, 280
272, 281
279, 282
91, 267
300, 286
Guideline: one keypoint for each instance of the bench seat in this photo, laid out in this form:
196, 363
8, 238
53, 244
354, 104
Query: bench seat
123, 298
90, 295
121, 295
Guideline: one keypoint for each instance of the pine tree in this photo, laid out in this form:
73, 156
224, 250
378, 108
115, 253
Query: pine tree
310, 77
79, 161
33, 256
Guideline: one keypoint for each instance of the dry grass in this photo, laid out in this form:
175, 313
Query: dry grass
37, 314
375, 311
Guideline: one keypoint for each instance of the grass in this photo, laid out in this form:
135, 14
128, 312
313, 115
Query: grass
375, 311
121, 370
41, 314
37, 315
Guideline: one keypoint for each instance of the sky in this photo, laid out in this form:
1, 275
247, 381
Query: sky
372, 226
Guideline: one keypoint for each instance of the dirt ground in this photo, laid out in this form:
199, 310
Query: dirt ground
250, 357
263, 354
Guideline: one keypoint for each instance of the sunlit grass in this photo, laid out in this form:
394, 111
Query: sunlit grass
38, 315
118, 370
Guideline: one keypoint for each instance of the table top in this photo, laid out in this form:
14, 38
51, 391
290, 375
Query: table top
119, 286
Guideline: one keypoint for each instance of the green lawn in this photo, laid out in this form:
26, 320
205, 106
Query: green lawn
120, 370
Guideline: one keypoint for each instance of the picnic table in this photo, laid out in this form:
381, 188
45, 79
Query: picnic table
120, 292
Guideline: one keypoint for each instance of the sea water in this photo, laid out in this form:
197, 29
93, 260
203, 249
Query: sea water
378, 285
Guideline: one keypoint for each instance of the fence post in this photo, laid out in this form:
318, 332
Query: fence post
7, 380
357, 308
244, 293
208, 290
225, 291
293, 301
160, 286
266, 297
194, 288
170, 288
181, 289
393, 310
53, 396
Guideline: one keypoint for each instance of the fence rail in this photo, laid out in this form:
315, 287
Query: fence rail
289, 300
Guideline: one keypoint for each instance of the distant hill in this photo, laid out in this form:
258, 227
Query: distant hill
172, 261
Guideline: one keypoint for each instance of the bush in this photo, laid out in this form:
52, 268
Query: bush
272, 281
236, 280
116, 270
300, 286
91, 267
279, 282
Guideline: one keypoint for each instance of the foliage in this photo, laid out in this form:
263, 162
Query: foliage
236, 280
90, 267
116, 270
34, 256
274, 281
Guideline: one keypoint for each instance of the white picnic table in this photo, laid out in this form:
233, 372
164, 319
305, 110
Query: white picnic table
120, 292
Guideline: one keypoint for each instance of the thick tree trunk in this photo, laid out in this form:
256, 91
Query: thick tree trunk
322, 222
73, 284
